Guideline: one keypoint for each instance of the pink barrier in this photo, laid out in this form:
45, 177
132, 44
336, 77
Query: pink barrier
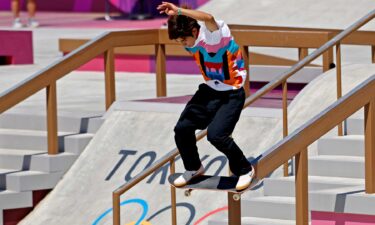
125, 6
146, 64
17, 46
332, 218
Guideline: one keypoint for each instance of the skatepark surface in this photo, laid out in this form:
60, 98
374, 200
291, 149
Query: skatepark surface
131, 140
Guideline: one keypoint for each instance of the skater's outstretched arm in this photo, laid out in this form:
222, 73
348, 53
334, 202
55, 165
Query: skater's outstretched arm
172, 10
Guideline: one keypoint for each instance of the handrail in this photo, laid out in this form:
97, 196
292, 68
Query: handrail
302, 218
316, 127
278, 81
357, 37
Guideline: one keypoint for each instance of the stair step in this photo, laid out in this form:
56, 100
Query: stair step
66, 122
272, 207
15, 200
285, 186
351, 200
255, 221
32, 180
28, 139
3, 174
344, 200
77, 143
52, 163
337, 166
351, 145
355, 126
17, 159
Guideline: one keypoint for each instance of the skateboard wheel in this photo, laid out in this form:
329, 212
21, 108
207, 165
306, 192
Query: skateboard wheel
188, 192
236, 197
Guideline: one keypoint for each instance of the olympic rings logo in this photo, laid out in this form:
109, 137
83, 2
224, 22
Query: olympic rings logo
144, 205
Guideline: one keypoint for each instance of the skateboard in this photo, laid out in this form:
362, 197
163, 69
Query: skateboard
214, 183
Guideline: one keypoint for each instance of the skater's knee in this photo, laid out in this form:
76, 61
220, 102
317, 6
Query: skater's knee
181, 129
216, 139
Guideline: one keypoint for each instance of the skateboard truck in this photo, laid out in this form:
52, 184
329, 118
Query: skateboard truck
187, 192
236, 197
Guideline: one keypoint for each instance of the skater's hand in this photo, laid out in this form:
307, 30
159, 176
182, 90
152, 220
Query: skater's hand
168, 8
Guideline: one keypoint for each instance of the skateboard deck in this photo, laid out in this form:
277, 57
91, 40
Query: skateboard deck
214, 183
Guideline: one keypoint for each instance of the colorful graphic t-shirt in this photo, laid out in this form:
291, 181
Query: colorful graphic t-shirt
219, 58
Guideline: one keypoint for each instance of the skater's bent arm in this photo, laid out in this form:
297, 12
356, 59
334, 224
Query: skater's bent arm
207, 18
171, 9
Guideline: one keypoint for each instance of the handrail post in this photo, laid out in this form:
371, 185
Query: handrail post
110, 86
161, 80
339, 81
52, 137
234, 208
327, 60
116, 208
285, 121
370, 146
302, 53
245, 55
302, 196
173, 194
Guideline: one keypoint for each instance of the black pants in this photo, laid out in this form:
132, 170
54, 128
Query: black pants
218, 111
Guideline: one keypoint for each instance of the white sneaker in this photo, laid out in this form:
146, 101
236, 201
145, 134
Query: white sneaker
32, 23
187, 176
17, 24
244, 181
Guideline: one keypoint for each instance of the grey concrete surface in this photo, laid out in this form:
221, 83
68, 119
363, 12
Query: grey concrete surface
297, 13
87, 187
285, 186
350, 145
141, 132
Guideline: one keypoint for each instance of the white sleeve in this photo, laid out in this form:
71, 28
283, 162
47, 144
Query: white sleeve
215, 37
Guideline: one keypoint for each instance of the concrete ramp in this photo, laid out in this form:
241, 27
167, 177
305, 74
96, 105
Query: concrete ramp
125, 145
334, 14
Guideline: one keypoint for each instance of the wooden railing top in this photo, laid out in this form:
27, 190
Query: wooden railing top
362, 37
270, 38
110, 40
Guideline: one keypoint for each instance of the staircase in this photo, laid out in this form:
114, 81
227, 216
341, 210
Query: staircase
336, 183
26, 170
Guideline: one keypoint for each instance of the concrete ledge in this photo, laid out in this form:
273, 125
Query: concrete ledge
337, 166
32, 180
77, 143
351, 145
285, 186
28, 139
15, 200
17, 159
66, 123
52, 163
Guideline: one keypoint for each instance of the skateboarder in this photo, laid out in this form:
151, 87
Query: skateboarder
218, 103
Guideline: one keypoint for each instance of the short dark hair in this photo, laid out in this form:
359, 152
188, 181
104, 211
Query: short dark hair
180, 26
